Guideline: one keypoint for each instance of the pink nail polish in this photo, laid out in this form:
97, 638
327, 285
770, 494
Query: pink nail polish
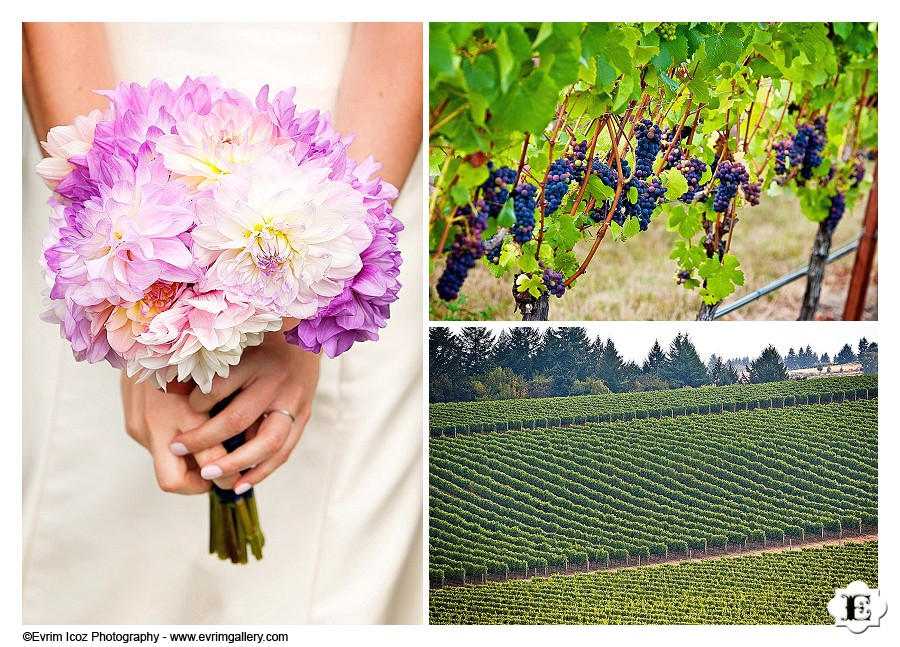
178, 449
243, 487
211, 472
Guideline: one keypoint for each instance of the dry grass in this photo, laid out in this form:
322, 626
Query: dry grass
633, 281
843, 370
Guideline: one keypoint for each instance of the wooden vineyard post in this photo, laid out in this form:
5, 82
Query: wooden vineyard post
862, 266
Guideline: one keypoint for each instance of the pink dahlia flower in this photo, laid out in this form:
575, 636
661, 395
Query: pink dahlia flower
281, 236
200, 336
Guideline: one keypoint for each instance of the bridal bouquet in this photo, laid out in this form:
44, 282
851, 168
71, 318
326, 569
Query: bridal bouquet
187, 221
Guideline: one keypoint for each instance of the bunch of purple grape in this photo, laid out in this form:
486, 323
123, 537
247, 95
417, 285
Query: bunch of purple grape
554, 282
649, 193
466, 249
752, 191
803, 150
782, 148
859, 170
523, 200
692, 169
682, 276
730, 175
494, 190
610, 177
577, 159
675, 155
836, 212
649, 141
559, 176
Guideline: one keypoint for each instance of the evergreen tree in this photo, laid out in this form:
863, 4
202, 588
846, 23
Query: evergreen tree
577, 349
722, 374
610, 368
565, 358
790, 362
525, 343
477, 349
869, 361
863, 346
447, 380
845, 355
729, 375
655, 359
826, 359
768, 367
683, 366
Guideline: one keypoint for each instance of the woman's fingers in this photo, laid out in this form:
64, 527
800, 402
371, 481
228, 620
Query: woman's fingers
221, 388
274, 441
173, 473
153, 418
240, 414
209, 456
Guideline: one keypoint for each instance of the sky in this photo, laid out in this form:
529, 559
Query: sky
633, 339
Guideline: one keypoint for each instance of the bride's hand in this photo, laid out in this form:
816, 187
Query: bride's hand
153, 418
275, 377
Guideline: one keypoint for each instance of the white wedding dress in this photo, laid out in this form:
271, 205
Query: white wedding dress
343, 518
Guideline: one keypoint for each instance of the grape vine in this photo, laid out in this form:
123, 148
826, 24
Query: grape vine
549, 138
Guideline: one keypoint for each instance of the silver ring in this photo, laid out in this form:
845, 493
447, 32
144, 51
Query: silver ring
284, 411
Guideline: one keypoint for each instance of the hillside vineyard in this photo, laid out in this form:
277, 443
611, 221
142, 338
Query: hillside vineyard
596, 494
772, 588
464, 417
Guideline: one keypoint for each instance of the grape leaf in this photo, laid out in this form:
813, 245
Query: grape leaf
616, 229
507, 215
566, 263
441, 58
721, 49
507, 61
676, 185
599, 191
508, 255
534, 285
460, 195
562, 233
632, 228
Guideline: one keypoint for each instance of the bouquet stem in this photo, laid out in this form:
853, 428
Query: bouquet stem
233, 518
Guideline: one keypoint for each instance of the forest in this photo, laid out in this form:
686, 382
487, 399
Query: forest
522, 362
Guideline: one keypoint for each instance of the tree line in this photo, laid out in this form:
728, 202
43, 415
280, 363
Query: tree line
525, 362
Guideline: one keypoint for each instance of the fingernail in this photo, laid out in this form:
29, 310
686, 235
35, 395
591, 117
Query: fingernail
178, 449
211, 472
243, 487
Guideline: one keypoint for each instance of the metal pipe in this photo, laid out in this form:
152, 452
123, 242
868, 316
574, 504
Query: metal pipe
845, 249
